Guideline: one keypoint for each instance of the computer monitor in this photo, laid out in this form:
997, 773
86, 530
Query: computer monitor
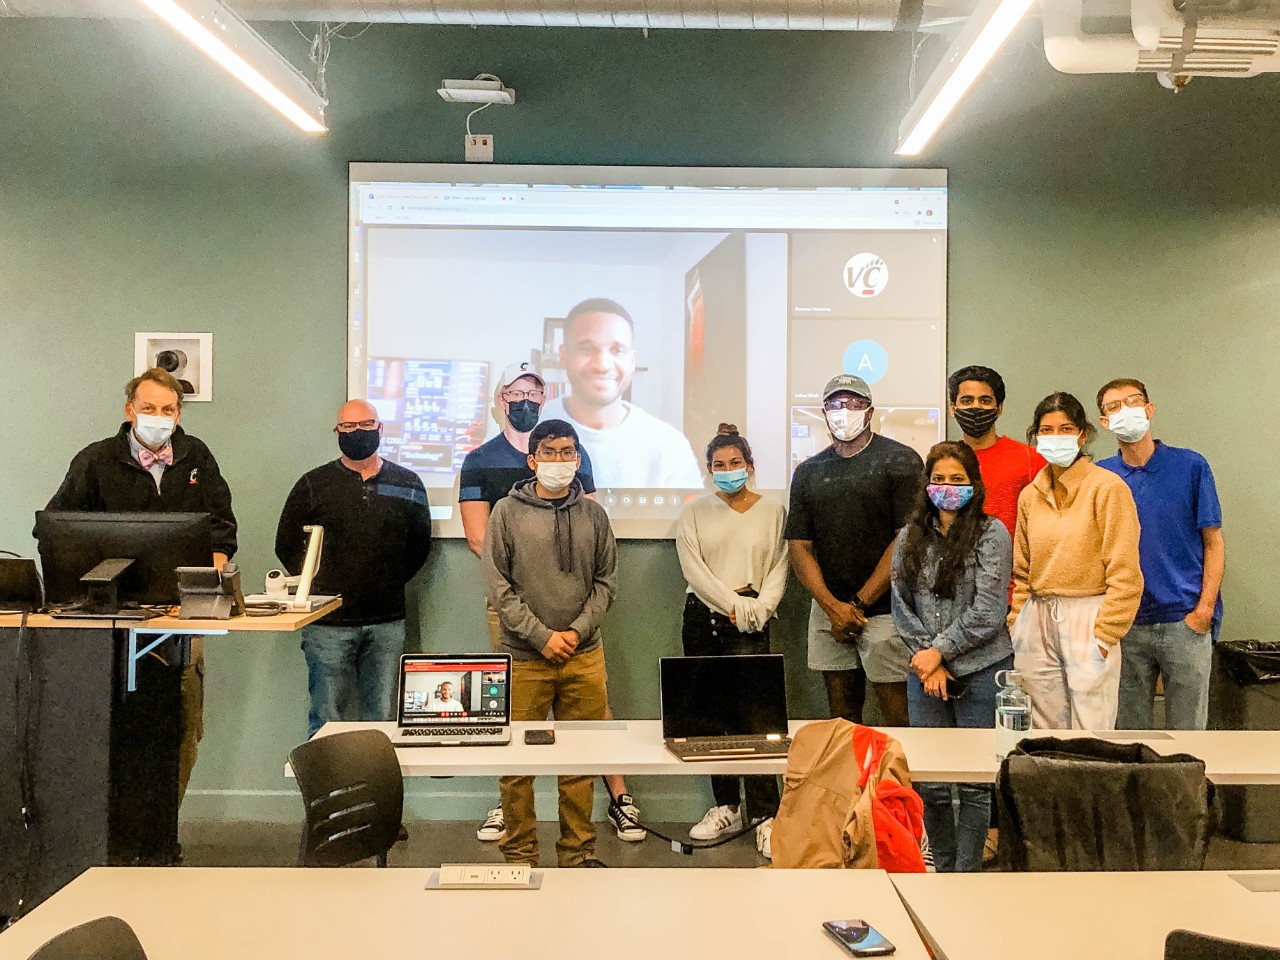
79, 554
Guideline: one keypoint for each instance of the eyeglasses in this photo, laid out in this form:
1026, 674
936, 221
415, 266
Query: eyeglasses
1133, 400
347, 426
515, 396
846, 403
550, 456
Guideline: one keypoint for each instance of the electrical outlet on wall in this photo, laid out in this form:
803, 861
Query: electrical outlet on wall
479, 147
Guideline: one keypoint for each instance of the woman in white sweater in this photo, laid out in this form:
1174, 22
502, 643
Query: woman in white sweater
735, 560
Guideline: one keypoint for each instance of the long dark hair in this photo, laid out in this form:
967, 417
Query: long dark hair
1063, 403
961, 540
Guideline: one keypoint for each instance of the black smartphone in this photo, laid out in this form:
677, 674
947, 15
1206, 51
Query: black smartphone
859, 938
540, 737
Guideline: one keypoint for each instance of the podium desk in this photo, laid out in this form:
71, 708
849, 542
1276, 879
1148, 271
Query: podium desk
94, 760
578, 914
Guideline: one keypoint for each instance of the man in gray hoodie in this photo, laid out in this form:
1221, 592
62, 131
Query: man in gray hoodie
549, 560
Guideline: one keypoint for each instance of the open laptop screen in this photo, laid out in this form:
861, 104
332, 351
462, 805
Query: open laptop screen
723, 696
454, 690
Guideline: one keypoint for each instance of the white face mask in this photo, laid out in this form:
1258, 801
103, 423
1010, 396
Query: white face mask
153, 431
847, 425
1060, 450
555, 475
1129, 424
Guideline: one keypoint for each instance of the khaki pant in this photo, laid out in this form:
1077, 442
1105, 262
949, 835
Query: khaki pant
1071, 685
192, 717
576, 690
495, 627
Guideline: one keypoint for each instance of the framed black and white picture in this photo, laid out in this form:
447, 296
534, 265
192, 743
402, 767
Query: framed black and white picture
188, 356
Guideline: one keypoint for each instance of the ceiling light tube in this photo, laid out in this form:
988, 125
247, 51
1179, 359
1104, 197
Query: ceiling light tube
979, 40
243, 53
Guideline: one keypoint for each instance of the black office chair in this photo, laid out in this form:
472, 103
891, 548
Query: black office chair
353, 795
1085, 804
107, 938
1185, 945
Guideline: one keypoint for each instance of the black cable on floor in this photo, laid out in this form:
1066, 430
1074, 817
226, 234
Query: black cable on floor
687, 846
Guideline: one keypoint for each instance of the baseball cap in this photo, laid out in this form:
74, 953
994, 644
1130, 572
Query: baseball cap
846, 382
514, 371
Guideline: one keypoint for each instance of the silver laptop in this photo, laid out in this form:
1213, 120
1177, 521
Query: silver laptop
724, 708
454, 699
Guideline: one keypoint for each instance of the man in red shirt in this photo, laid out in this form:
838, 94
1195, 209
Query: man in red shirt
977, 400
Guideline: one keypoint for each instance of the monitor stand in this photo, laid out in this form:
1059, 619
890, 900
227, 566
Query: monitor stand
103, 600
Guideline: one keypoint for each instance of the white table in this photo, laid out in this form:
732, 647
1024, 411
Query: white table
1082, 916
634, 748
371, 914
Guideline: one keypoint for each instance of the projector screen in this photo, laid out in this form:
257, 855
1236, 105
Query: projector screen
735, 294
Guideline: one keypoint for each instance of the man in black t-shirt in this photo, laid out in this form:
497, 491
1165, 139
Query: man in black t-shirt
377, 534
847, 504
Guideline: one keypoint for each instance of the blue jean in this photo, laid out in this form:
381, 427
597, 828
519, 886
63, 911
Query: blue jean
957, 843
1182, 658
352, 672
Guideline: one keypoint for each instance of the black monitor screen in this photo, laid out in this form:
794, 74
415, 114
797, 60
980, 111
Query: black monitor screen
723, 696
73, 543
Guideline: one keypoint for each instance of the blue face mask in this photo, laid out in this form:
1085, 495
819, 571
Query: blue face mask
730, 481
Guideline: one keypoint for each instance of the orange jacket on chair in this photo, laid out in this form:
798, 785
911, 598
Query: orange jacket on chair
847, 802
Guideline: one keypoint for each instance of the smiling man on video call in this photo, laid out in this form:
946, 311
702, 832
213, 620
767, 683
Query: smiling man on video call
630, 448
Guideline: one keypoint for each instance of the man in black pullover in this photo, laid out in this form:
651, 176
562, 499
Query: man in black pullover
377, 534
152, 465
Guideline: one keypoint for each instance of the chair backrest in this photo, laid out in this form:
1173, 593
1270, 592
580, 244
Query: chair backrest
107, 938
1185, 945
1086, 804
353, 795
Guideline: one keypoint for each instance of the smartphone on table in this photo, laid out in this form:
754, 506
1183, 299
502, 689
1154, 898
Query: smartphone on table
858, 938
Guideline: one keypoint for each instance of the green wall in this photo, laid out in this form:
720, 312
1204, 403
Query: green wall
1100, 227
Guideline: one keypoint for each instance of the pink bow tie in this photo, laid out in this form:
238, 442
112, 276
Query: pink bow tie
147, 458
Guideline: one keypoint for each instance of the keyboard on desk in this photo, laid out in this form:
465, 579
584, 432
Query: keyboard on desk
452, 732
728, 748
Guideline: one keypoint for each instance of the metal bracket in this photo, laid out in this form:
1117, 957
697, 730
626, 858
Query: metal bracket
161, 635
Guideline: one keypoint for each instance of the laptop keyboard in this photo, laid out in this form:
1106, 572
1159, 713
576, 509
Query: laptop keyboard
451, 731
725, 744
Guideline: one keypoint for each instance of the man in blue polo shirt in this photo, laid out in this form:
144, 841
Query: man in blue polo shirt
1183, 557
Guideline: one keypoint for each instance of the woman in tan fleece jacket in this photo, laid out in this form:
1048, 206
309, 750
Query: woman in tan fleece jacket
1076, 578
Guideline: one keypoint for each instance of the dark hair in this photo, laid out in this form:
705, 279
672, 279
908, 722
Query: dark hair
1060, 402
552, 430
596, 305
1123, 382
981, 375
727, 435
157, 376
961, 540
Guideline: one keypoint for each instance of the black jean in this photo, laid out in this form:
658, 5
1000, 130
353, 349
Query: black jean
709, 634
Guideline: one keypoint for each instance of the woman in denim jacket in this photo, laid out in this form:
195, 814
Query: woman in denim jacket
951, 569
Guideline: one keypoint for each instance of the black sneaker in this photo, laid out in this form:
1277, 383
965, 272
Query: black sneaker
590, 862
626, 819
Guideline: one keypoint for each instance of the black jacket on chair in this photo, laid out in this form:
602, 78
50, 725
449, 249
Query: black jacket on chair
105, 477
1086, 804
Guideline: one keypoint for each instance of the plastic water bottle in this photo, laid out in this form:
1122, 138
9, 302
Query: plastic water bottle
1013, 712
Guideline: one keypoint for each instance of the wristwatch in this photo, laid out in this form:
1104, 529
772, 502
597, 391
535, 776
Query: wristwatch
857, 602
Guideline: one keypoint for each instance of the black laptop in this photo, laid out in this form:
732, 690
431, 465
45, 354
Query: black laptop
724, 708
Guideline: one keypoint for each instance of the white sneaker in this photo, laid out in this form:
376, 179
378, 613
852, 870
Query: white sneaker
764, 834
717, 821
494, 827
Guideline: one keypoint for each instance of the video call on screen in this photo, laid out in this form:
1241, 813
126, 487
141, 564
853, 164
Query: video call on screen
451, 693
744, 301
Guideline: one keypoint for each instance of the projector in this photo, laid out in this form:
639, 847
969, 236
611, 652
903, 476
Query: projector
476, 91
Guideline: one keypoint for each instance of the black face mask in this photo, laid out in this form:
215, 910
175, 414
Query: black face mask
359, 444
976, 421
523, 415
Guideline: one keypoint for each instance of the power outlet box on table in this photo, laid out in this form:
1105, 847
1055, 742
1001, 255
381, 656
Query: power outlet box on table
485, 876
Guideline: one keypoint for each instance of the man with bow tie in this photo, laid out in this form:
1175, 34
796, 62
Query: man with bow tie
152, 465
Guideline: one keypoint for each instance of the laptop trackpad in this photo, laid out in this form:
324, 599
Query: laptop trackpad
590, 725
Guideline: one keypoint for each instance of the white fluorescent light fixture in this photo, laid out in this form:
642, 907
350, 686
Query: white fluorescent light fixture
243, 53
476, 91
979, 40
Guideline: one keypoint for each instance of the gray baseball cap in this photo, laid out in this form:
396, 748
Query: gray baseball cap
846, 383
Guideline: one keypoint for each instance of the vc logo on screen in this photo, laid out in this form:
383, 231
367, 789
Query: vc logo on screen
866, 275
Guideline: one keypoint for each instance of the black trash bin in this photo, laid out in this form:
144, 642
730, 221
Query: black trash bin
1249, 699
